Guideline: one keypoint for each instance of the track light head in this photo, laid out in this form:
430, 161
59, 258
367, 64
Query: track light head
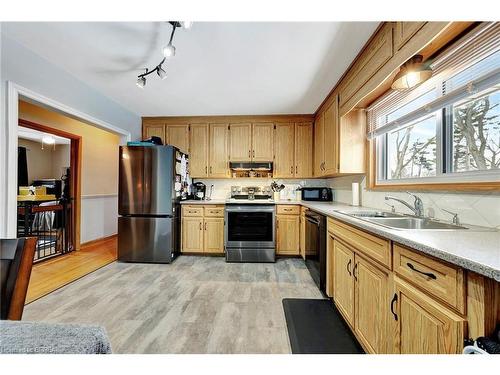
161, 72
141, 82
169, 51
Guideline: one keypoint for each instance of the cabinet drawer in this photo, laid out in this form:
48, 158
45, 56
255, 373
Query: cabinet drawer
372, 246
214, 211
288, 210
192, 210
443, 280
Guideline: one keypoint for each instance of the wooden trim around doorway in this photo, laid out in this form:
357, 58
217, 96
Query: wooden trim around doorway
76, 171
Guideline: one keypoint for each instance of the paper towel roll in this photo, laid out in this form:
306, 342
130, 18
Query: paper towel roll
355, 193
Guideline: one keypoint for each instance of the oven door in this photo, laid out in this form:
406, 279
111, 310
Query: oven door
250, 226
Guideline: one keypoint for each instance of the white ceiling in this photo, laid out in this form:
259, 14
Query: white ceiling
37, 136
220, 67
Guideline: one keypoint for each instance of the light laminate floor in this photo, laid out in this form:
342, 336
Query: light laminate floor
195, 305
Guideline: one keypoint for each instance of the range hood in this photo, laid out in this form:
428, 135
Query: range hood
251, 166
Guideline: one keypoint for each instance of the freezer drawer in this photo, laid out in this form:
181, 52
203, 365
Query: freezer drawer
147, 239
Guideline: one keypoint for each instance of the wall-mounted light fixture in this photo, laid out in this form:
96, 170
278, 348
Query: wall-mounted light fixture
412, 73
168, 52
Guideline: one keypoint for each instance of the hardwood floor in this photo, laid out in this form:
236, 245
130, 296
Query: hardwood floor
54, 273
194, 305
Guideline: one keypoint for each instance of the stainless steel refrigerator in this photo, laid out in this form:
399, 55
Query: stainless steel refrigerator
151, 179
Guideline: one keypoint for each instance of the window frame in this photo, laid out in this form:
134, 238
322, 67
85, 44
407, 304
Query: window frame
445, 178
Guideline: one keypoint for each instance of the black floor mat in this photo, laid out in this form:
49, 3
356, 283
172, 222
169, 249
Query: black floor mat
316, 327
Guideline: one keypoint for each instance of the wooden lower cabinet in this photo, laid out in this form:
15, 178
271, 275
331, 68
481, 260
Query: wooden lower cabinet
213, 240
421, 325
202, 229
287, 234
192, 234
343, 280
371, 305
302, 234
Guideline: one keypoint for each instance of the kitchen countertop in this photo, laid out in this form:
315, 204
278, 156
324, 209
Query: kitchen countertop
472, 249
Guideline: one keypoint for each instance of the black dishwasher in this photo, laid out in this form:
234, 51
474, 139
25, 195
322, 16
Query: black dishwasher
315, 251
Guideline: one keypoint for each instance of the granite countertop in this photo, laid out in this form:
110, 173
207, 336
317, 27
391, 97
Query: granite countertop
473, 249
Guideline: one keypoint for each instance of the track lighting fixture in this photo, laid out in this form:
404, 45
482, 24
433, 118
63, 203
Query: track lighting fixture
412, 73
168, 52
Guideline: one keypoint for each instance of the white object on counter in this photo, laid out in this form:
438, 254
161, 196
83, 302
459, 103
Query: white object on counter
298, 195
276, 195
355, 193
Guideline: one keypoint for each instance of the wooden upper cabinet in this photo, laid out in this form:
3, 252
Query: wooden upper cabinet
262, 141
403, 32
198, 154
330, 144
303, 150
219, 150
377, 53
421, 325
371, 305
178, 136
240, 142
156, 130
318, 145
351, 142
284, 150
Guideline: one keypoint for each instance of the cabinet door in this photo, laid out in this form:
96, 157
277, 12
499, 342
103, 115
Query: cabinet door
154, 130
404, 31
262, 141
371, 305
219, 158
192, 234
284, 139
318, 145
198, 155
240, 142
343, 281
214, 235
178, 136
422, 325
304, 150
330, 143
287, 235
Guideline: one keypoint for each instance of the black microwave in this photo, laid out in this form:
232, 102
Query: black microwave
317, 194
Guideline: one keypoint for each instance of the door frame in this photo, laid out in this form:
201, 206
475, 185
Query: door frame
75, 170
8, 158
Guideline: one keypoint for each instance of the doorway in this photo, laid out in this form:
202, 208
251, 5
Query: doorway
49, 184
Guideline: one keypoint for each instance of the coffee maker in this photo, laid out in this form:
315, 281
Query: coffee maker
199, 190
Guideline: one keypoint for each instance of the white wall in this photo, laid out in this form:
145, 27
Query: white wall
23, 67
99, 217
473, 208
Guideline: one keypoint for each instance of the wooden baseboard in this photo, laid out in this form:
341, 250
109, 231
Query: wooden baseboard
98, 241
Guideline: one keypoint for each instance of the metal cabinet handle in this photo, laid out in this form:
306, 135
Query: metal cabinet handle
296, 169
354, 271
192, 212
428, 274
206, 169
200, 225
249, 153
253, 153
394, 300
349, 267
210, 169
291, 169
205, 226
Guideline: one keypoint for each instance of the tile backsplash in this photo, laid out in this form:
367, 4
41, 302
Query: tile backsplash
473, 208
222, 187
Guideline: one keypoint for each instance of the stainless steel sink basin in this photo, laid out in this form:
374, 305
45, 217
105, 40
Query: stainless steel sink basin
412, 223
370, 214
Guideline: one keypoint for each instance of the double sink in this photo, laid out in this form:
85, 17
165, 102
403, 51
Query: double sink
398, 221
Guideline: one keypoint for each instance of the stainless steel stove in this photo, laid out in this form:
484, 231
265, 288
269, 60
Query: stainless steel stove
249, 230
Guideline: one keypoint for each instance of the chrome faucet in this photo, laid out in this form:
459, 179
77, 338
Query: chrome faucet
418, 206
